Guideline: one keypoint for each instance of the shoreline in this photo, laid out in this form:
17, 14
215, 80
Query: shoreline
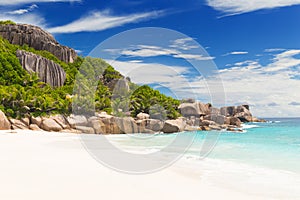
60, 167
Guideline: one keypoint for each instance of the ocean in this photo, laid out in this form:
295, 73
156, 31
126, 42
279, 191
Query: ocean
275, 144
265, 156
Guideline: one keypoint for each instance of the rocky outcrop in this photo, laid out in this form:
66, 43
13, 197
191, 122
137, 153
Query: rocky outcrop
173, 126
50, 124
35, 37
241, 112
142, 116
4, 123
196, 109
47, 70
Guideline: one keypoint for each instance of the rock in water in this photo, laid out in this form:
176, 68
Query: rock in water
38, 39
47, 70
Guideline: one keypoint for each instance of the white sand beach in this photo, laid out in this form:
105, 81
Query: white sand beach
43, 165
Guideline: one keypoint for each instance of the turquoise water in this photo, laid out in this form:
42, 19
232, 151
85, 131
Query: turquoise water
274, 145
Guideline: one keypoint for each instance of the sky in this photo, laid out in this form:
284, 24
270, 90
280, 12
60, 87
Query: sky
227, 52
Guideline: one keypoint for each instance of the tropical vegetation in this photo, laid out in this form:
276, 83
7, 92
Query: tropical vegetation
89, 86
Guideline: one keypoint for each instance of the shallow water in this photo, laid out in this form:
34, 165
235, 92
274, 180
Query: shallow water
273, 145
263, 160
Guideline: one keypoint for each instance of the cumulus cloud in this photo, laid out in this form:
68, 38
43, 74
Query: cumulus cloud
102, 20
233, 7
265, 87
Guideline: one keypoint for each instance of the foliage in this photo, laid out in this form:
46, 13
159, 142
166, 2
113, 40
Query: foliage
22, 93
147, 100
6, 22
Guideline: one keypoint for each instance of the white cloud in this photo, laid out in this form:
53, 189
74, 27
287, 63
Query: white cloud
274, 50
236, 53
27, 18
20, 2
284, 61
23, 11
102, 20
233, 7
152, 51
268, 89
171, 77
269, 93
184, 44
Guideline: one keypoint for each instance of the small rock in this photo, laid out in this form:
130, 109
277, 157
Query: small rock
142, 116
34, 127
85, 129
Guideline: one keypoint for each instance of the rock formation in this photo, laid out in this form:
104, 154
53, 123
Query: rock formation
242, 112
35, 37
47, 70
4, 123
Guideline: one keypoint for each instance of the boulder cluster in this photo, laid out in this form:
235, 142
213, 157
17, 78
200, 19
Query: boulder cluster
195, 116
206, 117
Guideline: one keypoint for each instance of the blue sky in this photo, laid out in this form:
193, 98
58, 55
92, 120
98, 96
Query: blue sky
254, 45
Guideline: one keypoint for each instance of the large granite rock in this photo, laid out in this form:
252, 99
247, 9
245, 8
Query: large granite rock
127, 125
173, 126
242, 112
228, 111
18, 124
4, 123
38, 39
219, 119
50, 124
150, 125
47, 70
196, 109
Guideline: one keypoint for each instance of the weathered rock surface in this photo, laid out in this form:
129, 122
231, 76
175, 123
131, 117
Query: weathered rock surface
219, 119
37, 120
85, 129
38, 39
50, 124
47, 70
153, 125
173, 126
77, 120
4, 123
235, 121
34, 127
196, 109
240, 112
18, 124
142, 116
127, 125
